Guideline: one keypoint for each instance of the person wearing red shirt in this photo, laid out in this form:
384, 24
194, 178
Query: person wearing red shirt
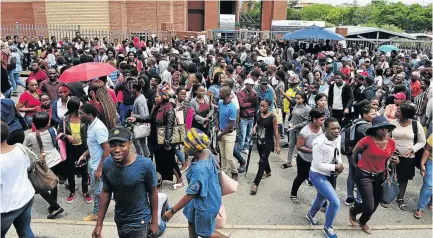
375, 149
346, 70
415, 84
29, 100
37, 73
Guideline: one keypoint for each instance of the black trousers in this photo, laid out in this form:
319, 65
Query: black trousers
303, 173
263, 163
51, 197
73, 154
370, 188
339, 115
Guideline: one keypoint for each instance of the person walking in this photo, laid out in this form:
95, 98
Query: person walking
375, 149
304, 145
300, 118
42, 142
74, 134
266, 130
248, 105
132, 180
17, 192
202, 200
98, 150
226, 127
325, 165
425, 193
409, 137
14, 73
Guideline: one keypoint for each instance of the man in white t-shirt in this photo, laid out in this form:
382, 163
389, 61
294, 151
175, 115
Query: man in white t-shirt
16, 193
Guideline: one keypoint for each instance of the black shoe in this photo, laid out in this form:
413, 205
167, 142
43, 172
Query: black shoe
350, 201
61, 180
285, 146
54, 214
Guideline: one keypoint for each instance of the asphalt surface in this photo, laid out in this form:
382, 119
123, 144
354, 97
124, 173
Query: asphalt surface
271, 207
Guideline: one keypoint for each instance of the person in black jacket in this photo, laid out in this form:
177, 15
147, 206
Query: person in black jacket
5, 84
163, 116
340, 98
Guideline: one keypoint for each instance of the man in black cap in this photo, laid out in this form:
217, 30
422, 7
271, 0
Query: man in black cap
132, 180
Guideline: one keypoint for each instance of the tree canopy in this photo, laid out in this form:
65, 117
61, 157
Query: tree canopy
410, 18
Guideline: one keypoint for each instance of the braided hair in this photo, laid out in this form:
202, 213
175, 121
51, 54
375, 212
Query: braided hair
108, 114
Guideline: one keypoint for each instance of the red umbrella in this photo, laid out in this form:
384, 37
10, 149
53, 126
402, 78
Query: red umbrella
86, 71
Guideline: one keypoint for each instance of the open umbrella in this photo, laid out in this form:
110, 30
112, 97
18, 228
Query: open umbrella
86, 71
388, 48
312, 33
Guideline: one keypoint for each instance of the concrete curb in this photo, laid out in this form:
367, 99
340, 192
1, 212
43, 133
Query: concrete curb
245, 227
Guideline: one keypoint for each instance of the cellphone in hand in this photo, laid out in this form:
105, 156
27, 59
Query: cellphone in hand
80, 163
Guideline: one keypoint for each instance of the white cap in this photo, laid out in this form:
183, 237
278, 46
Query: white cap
249, 81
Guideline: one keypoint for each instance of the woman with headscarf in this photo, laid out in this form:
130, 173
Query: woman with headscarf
203, 110
163, 116
107, 112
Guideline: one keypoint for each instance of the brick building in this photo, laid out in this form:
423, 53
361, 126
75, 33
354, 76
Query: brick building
129, 15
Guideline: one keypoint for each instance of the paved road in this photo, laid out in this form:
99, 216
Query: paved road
271, 206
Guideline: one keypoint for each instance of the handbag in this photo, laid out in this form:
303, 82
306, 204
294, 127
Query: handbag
279, 115
141, 130
228, 185
177, 137
390, 187
41, 177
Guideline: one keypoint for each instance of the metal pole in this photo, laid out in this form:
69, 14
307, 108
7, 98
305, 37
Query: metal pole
17, 28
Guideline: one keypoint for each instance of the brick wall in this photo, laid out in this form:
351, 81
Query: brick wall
280, 10
21, 12
211, 15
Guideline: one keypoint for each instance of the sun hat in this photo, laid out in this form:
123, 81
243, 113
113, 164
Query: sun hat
196, 139
400, 95
379, 122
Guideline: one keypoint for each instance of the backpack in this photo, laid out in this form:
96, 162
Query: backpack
348, 136
12, 63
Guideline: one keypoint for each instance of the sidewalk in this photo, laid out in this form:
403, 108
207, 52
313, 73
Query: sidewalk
74, 229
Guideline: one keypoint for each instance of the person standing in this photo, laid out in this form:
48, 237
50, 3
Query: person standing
17, 191
267, 130
14, 73
204, 111
226, 126
98, 149
140, 110
59, 107
248, 104
375, 149
132, 180
325, 165
37, 73
340, 98
29, 100
9, 115
304, 145
51, 86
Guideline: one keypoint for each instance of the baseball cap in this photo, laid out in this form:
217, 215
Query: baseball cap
119, 134
264, 80
249, 81
400, 95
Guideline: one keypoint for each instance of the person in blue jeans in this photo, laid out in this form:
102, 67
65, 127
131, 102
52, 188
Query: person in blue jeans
14, 74
425, 195
324, 166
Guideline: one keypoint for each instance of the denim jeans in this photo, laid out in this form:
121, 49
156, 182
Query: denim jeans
97, 188
21, 219
141, 147
7, 94
238, 156
125, 112
426, 189
293, 138
245, 130
180, 156
325, 191
14, 78
133, 231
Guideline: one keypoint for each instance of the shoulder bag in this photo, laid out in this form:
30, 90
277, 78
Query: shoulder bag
141, 130
59, 143
178, 134
390, 187
41, 177
420, 152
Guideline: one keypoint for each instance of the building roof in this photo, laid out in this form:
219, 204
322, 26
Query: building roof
358, 30
421, 35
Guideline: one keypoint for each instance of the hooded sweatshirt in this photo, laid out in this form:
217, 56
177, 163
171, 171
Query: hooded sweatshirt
164, 74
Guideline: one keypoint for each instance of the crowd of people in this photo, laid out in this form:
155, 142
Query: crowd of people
204, 99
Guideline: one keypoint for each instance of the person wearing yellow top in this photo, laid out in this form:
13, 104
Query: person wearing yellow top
74, 132
426, 172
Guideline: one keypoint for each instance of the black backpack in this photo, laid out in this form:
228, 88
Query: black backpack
348, 133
